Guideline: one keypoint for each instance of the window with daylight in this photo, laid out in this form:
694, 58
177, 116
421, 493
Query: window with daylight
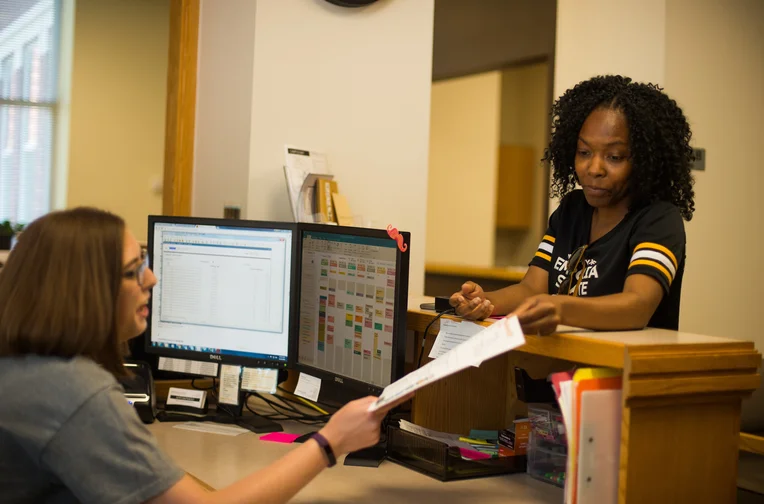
29, 33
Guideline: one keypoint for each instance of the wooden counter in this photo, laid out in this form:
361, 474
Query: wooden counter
680, 428
445, 279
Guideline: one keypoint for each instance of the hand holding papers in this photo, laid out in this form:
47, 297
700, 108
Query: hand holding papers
502, 336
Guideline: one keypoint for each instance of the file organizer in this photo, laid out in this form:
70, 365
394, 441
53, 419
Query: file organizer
439, 461
547, 446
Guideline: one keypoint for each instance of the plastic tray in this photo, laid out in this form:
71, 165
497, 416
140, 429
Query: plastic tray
438, 460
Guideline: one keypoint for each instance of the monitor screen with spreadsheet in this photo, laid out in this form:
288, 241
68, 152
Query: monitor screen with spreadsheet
224, 290
353, 292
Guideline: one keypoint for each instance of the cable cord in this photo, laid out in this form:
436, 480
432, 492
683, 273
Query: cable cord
287, 411
450, 311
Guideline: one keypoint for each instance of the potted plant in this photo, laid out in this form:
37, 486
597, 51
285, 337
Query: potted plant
7, 232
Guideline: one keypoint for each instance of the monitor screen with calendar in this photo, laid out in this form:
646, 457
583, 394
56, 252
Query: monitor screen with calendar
353, 291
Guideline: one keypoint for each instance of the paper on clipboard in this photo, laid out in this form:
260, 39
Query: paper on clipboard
502, 336
300, 165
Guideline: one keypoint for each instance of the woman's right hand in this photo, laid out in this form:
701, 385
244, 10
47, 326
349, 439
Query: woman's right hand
471, 303
354, 427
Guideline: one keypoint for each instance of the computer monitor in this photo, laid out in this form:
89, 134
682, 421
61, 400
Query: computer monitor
353, 296
225, 290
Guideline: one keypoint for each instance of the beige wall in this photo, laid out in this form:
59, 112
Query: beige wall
709, 56
525, 121
119, 90
715, 71
597, 37
464, 141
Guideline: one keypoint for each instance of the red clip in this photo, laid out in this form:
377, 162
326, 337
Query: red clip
395, 235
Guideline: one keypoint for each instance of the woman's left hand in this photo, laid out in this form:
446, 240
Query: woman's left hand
539, 315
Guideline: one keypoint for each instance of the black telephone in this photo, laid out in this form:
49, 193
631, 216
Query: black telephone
139, 390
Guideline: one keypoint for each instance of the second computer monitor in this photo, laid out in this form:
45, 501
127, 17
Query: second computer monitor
353, 291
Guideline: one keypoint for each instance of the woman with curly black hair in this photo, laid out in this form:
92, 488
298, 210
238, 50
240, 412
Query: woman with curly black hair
613, 255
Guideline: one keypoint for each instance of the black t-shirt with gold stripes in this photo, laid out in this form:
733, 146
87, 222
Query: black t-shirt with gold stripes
648, 241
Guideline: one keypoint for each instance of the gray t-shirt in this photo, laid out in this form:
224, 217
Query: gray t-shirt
68, 435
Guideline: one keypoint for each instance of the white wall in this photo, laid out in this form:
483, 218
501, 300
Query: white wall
461, 196
715, 71
598, 37
609, 37
354, 83
118, 100
224, 107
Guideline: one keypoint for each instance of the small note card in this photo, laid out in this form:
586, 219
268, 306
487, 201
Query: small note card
308, 387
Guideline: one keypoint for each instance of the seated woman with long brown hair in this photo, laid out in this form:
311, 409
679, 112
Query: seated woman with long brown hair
73, 291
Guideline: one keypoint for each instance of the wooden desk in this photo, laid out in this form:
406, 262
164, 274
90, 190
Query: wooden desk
680, 429
217, 461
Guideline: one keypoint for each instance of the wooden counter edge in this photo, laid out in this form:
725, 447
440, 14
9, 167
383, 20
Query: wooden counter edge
752, 443
464, 271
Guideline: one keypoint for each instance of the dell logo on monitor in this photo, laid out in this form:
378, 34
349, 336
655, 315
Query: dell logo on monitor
338, 379
216, 357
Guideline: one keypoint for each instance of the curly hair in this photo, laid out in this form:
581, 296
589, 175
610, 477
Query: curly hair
659, 138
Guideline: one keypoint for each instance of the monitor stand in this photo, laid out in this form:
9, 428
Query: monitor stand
366, 457
255, 423
250, 421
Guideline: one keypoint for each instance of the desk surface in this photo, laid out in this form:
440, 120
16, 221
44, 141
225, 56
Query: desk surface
220, 460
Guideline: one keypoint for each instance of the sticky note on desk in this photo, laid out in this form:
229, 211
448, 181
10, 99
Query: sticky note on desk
279, 437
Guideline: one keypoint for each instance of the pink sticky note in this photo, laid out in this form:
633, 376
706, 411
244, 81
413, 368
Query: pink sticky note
473, 454
279, 437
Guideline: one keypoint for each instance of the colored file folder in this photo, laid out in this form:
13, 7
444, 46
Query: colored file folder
591, 406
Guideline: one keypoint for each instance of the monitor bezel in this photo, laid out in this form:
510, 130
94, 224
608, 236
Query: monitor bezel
293, 305
338, 389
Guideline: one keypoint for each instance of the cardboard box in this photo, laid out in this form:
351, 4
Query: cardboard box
514, 440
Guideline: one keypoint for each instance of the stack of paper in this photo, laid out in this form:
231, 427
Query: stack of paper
590, 401
302, 168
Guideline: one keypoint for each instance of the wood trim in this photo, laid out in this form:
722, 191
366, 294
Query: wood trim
683, 385
462, 271
752, 443
181, 107
708, 361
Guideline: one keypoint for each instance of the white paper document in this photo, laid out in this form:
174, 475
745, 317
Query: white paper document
308, 387
260, 379
299, 165
188, 366
228, 392
503, 336
451, 334
211, 428
443, 437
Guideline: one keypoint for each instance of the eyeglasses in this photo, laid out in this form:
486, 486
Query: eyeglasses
576, 263
139, 273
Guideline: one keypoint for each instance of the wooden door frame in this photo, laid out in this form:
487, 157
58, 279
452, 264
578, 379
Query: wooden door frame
181, 107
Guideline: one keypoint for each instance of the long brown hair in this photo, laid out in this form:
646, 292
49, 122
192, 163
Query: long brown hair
59, 288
